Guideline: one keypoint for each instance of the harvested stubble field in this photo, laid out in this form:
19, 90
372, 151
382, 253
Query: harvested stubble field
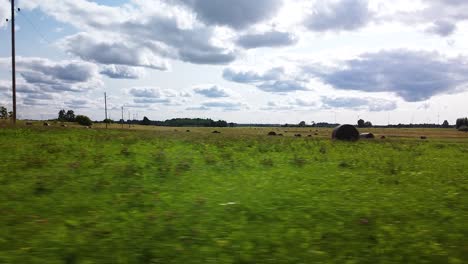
153, 195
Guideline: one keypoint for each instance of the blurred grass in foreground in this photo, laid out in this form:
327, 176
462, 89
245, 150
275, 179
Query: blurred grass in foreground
115, 196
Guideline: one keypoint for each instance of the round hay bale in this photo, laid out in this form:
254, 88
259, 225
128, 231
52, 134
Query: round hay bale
309, 136
187, 131
216, 132
298, 135
345, 132
29, 123
367, 135
272, 133
423, 137
280, 135
383, 137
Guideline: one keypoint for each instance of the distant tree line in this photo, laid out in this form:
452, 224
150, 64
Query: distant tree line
182, 122
69, 116
313, 124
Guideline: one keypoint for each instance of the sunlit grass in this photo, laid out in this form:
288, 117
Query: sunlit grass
166, 196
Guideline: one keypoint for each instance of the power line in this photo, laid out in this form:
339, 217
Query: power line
35, 29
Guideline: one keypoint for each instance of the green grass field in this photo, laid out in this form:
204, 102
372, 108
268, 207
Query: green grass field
164, 196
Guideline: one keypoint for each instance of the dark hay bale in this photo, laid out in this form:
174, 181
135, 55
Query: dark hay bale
345, 132
298, 135
309, 136
367, 135
316, 133
46, 124
29, 123
280, 135
188, 131
423, 137
383, 137
216, 132
272, 133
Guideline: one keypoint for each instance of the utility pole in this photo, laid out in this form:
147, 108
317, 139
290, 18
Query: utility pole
122, 118
105, 107
129, 122
13, 59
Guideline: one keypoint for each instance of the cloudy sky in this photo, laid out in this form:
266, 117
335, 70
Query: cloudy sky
268, 61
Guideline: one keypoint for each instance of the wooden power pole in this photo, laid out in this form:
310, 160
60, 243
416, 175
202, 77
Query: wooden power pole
122, 117
105, 108
13, 59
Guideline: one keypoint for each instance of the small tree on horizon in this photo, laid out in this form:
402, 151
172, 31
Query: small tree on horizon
361, 123
146, 121
70, 116
83, 120
61, 115
461, 122
3, 112
445, 124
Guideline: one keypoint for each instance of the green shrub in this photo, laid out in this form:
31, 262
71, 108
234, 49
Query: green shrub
463, 128
461, 122
83, 120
